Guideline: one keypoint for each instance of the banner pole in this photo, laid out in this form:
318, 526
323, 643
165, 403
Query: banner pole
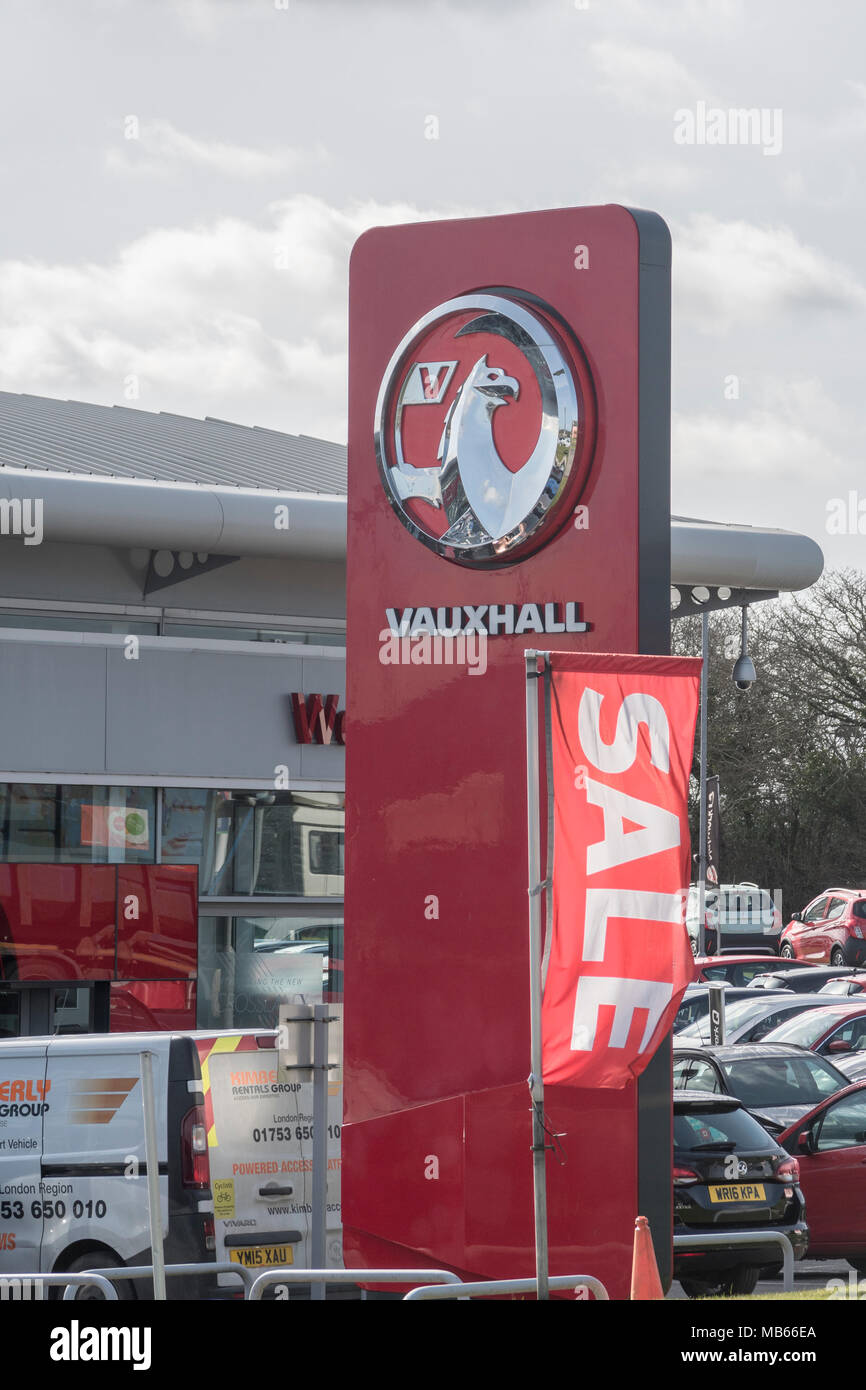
702, 812
536, 1084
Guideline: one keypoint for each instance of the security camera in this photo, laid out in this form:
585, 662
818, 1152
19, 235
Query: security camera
744, 673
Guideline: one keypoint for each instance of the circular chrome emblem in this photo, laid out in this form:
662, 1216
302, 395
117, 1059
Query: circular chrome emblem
478, 429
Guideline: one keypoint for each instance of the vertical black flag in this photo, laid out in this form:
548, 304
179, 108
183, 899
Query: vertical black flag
714, 825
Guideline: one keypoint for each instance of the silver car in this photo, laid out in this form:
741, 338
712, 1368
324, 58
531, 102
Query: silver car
749, 1020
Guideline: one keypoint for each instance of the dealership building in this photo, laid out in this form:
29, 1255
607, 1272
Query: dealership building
172, 680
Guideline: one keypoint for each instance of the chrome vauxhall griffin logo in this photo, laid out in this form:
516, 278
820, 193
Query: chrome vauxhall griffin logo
478, 425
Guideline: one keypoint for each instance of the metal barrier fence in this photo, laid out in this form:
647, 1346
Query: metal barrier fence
146, 1272
494, 1287
744, 1238
352, 1276
432, 1283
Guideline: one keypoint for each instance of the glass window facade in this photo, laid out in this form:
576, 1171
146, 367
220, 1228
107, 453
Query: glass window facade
74, 622
248, 966
232, 633
279, 847
56, 824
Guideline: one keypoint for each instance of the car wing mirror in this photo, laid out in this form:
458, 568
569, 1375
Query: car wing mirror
806, 1142
840, 1045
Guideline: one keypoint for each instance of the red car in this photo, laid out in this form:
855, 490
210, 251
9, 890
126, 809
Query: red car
737, 970
830, 1145
835, 1029
831, 930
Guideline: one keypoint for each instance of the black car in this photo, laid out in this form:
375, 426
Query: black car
730, 1175
807, 981
777, 1082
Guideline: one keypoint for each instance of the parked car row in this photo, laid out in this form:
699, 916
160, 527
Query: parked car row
749, 1020
770, 1127
830, 930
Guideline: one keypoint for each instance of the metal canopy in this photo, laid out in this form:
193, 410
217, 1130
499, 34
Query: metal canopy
712, 554
208, 519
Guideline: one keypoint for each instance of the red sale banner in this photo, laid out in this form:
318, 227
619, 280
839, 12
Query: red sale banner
623, 735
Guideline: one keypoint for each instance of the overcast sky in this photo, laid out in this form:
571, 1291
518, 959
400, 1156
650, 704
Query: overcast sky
183, 181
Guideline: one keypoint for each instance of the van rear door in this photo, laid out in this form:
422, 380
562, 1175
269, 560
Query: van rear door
260, 1137
94, 1167
24, 1098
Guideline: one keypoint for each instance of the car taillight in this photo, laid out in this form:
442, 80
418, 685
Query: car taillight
194, 1156
685, 1175
789, 1170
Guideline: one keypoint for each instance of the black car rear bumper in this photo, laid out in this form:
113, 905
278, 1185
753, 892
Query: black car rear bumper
761, 1255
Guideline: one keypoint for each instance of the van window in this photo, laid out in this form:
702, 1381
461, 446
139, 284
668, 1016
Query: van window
326, 852
10, 1013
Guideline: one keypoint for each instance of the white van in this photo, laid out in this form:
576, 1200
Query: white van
73, 1176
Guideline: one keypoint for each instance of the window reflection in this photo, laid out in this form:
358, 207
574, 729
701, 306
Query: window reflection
264, 842
49, 823
248, 966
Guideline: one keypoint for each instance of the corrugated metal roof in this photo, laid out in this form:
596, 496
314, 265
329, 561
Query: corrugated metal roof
118, 441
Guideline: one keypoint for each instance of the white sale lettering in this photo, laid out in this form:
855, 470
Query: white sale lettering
619, 958
658, 830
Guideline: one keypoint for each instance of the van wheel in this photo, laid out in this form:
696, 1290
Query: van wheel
99, 1260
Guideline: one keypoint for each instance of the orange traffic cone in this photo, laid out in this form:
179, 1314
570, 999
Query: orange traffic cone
645, 1281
